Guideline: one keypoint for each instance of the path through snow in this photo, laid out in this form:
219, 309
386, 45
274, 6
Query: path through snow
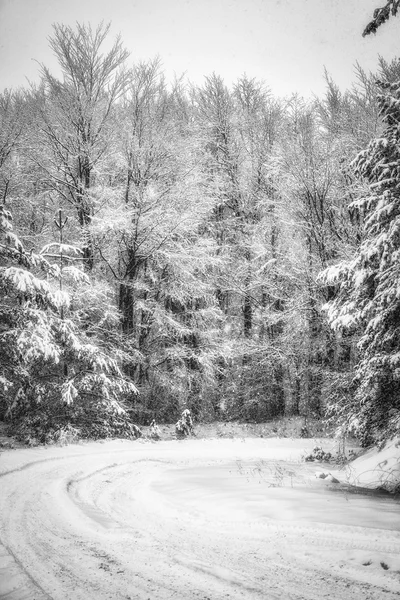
196, 519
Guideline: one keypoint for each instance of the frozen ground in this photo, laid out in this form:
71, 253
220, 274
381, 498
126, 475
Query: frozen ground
196, 519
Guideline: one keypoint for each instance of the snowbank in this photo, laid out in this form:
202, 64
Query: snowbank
375, 468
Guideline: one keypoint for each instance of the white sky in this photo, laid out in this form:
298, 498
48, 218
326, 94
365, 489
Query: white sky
286, 43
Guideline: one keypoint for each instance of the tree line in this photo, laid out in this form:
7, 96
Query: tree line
166, 246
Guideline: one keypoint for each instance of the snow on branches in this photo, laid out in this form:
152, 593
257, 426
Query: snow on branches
48, 360
368, 285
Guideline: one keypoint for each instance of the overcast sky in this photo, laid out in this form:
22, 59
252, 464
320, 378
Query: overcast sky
286, 43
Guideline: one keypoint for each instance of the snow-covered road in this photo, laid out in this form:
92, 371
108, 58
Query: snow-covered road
197, 519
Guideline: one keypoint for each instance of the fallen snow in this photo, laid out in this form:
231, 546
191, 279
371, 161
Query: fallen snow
376, 468
195, 519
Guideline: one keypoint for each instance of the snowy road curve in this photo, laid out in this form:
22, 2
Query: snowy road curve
205, 520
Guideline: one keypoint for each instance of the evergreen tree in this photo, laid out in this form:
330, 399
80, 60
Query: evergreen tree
381, 15
55, 374
369, 295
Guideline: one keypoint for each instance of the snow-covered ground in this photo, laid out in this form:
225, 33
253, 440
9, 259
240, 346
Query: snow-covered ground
195, 519
375, 469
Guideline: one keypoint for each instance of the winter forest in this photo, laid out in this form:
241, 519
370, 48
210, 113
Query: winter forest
168, 246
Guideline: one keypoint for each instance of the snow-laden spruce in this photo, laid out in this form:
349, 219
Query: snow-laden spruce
368, 298
53, 372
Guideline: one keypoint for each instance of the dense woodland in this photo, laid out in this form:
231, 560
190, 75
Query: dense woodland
166, 246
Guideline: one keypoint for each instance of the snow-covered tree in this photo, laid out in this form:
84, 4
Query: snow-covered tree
381, 15
74, 117
368, 299
54, 371
12, 125
151, 238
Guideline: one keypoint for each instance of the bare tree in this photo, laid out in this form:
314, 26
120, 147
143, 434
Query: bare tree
11, 129
75, 114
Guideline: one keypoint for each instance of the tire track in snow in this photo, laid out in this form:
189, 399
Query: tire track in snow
94, 524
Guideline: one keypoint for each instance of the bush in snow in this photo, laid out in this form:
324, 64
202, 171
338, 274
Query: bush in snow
184, 426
